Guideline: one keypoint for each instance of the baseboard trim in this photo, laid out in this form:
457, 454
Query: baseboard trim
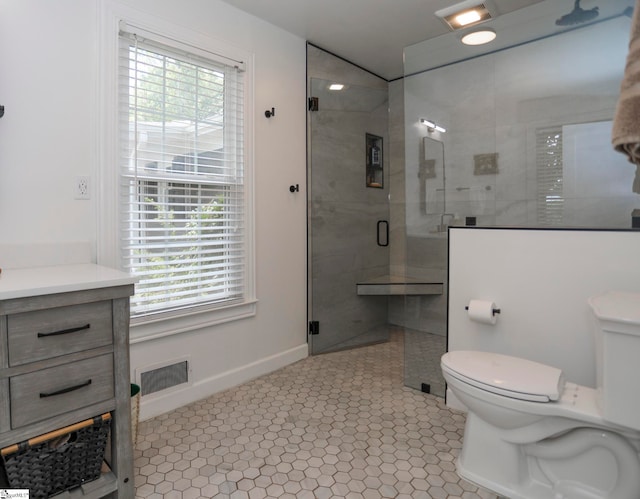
159, 403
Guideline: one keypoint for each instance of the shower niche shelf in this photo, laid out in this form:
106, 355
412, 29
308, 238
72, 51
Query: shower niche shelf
374, 164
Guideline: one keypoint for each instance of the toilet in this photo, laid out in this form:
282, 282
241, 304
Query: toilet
531, 434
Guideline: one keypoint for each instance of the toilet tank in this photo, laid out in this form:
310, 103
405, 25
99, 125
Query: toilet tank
617, 342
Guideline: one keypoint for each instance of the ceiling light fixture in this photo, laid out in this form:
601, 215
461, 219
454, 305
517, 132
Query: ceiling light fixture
336, 86
465, 14
432, 125
479, 37
469, 17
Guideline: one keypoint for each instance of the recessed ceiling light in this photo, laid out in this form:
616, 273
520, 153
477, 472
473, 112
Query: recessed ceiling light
471, 16
465, 14
336, 86
479, 37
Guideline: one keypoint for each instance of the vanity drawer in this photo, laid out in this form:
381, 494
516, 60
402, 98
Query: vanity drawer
46, 393
43, 334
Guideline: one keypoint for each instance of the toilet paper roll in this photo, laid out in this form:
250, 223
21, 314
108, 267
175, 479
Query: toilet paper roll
482, 311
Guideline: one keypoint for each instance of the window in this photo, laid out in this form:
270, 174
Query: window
183, 217
550, 209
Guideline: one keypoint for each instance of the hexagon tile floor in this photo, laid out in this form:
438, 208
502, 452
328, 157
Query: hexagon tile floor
335, 425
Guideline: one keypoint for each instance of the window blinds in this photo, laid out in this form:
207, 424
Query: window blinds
182, 209
550, 202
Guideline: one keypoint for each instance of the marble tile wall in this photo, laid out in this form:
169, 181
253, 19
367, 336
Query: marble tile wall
397, 197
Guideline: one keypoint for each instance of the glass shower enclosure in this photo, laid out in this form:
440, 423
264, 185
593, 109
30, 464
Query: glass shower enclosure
524, 135
348, 214
363, 283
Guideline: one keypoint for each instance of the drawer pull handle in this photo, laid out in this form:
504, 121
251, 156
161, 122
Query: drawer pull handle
64, 331
66, 390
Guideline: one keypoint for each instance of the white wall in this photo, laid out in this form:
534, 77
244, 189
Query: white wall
540, 280
46, 86
50, 59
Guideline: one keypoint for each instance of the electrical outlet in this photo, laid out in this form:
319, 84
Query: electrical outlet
82, 188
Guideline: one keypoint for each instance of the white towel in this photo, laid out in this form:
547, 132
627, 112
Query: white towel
626, 123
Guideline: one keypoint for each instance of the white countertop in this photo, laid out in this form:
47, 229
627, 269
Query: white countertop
20, 283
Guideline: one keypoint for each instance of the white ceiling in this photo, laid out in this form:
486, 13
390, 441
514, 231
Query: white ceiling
373, 33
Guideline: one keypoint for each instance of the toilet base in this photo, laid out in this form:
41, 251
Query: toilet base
583, 463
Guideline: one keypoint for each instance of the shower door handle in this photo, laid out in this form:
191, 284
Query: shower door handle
386, 233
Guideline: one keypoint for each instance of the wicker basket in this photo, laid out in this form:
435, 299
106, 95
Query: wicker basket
59, 460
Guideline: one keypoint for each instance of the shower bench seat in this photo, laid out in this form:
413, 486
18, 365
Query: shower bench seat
390, 285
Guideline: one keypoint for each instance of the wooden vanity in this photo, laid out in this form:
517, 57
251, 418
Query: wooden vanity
64, 358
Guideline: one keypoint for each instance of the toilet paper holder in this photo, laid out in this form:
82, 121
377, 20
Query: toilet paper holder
493, 311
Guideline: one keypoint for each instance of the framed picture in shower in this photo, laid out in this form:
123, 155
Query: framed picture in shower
485, 164
374, 172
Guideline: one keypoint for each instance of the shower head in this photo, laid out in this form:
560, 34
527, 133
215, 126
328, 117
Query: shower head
578, 15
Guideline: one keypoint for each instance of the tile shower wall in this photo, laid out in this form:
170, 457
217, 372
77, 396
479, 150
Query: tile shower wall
397, 211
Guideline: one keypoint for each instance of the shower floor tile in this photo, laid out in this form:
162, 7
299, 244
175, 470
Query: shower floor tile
340, 424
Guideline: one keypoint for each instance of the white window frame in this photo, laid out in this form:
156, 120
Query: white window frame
111, 18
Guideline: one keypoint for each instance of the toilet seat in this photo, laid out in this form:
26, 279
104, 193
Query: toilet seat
505, 375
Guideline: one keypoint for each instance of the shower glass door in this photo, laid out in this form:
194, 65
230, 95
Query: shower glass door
348, 214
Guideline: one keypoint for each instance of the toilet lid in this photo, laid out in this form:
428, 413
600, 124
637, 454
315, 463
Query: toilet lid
617, 306
505, 375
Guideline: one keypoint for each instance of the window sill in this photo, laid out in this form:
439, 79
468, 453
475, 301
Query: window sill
145, 330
